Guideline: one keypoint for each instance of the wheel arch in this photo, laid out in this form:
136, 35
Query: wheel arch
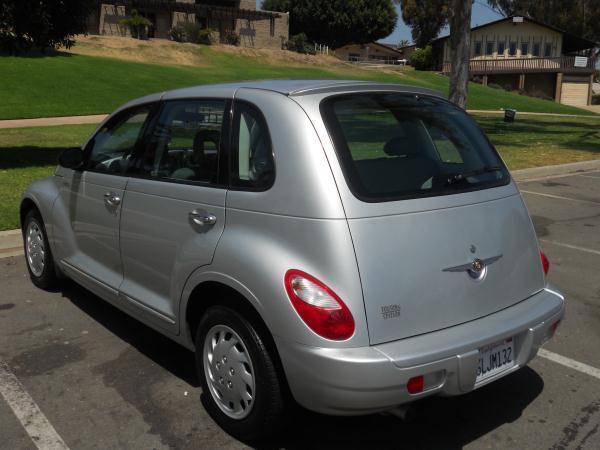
207, 289
27, 204
211, 289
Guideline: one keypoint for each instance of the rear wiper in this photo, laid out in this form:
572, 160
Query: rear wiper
454, 178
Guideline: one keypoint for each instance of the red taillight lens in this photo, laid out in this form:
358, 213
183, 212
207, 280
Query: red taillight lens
545, 262
415, 385
318, 306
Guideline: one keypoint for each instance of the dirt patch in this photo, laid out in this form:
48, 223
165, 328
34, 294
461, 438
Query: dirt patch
155, 51
162, 51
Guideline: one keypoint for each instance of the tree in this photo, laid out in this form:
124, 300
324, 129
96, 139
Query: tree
426, 18
460, 33
276, 5
403, 43
42, 24
338, 22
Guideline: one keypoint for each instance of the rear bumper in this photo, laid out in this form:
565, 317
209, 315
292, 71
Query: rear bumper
368, 379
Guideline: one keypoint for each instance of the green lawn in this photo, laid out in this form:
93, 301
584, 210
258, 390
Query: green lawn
533, 141
27, 154
70, 84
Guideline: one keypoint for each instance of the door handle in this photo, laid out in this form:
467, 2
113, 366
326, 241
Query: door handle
202, 218
112, 199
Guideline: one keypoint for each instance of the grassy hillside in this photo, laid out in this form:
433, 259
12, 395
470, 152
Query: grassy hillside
77, 84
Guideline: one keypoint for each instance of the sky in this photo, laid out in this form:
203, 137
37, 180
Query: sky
482, 13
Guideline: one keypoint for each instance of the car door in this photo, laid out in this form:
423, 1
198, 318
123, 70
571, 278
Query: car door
173, 211
93, 198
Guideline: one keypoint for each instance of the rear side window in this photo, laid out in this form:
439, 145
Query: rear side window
252, 163
185, 142
393, 146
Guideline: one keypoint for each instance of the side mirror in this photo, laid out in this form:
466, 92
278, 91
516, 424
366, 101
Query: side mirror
71, 158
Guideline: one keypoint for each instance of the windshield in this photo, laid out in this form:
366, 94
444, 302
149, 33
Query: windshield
393, 146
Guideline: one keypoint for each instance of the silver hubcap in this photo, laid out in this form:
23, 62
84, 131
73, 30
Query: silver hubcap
229, 372
34, 248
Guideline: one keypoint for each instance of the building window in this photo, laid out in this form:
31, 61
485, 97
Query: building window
536, 49
501, 46
478, 48
512, 49
524, 48
489, 48
272, 26
548, 50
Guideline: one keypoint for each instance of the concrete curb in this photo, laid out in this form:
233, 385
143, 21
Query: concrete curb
11, 243
561, 170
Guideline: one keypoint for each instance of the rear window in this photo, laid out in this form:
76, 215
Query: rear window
393, 146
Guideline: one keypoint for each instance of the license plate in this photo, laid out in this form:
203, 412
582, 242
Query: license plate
495, 358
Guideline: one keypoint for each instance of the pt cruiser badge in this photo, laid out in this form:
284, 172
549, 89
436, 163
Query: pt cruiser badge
476, 269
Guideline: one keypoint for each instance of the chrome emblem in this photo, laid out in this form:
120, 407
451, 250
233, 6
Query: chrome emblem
477, 269
477, 265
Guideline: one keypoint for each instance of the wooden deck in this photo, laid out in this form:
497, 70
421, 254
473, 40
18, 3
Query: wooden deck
563, 64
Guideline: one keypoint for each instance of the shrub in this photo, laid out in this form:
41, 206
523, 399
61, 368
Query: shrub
232, 38
422, 58
138, 25
299, 43
196, 33
177, 34
596, 99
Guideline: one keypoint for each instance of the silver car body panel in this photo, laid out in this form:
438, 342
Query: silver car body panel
371, 254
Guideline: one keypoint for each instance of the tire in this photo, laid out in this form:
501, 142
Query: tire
35, 242
264, 414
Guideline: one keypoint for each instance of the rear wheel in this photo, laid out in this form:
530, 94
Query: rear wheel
242, 390
37, 252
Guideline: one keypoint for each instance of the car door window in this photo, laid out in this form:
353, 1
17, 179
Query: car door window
185, 142
252, 162
112, 147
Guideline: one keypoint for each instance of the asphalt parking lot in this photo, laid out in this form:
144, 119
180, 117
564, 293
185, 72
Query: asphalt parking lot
99, 379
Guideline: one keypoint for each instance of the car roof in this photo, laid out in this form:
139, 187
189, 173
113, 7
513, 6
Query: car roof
289, 88
297, 87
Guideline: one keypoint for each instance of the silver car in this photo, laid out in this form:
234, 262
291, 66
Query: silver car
346, 246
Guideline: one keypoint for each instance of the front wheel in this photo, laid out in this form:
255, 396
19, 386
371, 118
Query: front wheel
37, 252
243, 393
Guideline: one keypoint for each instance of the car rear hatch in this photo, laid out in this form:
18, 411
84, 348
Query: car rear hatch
441, 234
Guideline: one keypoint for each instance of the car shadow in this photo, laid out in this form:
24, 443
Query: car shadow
434, 423
163, 351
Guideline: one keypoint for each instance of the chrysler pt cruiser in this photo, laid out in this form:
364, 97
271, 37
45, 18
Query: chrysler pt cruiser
346, 246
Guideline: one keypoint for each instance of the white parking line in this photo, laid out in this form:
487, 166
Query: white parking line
41, 432
571, 363
572, 247
559, 197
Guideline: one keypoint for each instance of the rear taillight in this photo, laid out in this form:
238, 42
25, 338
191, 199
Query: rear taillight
545, 262
318, 306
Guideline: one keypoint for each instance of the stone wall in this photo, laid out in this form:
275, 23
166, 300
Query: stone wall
257, 33
263, 33
110, 15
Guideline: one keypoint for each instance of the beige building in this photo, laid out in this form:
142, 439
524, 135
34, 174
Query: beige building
522, 54
256, 28
372, 52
